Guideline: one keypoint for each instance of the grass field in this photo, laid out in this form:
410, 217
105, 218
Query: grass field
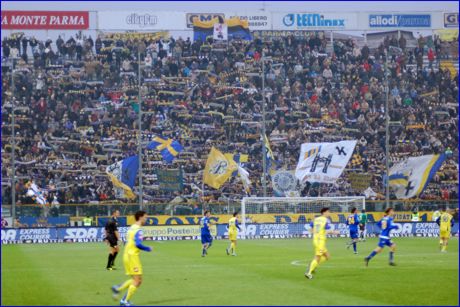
265, 272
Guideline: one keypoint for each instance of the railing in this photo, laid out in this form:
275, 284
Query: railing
219, 207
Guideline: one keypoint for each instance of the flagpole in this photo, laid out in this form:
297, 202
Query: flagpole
264, 150
139, 119
387, 134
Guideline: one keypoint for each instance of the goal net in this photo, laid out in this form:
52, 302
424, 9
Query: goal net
273, 217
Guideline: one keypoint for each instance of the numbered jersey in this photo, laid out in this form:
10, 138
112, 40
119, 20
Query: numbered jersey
233, 224
445, 222
204, 224
353, 222
386, 225
320, 225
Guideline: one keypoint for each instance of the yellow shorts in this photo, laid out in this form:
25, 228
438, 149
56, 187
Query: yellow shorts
232, 235
444, 234
132, 264
320, 248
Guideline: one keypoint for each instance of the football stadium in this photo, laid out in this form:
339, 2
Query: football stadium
231, 153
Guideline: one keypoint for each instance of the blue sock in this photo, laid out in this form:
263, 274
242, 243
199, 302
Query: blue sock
124, 296
391, 257
371, 255
354, 247
204, 251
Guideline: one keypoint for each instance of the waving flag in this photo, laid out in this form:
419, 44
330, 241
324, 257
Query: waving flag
218, 169
410, 177
36, 193
123, 175
244, 176
169, 148
269, 158
323, 162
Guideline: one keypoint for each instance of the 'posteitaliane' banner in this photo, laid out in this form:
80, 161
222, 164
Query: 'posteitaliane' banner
45, 20
323, 162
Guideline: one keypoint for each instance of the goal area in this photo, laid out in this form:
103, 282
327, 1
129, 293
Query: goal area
276, 211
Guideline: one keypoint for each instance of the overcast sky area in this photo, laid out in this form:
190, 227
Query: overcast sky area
214, 6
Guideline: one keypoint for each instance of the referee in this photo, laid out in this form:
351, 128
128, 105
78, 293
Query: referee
112, 237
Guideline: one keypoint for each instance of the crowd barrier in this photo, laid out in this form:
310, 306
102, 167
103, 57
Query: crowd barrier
192, 232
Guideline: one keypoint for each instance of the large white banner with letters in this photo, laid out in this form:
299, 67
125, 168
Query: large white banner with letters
323, 162
141, 20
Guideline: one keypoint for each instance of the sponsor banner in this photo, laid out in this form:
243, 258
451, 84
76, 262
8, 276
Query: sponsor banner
141, 20
159, 233
315, 21
45, 20
256, 20
401, 216
279, 231
175, 231
451, 20
359, 182
203, 17
399, 21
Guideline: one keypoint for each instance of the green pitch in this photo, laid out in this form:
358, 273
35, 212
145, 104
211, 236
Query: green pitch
265, 272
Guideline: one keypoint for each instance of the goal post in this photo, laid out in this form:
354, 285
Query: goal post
270, 210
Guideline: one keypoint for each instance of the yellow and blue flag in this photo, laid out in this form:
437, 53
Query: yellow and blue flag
168, 148
123, 175
269, 159
410, 177
218, 169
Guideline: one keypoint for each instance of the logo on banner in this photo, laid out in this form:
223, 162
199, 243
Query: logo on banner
396, 20
451, 20
143, 21
203, 17
311, 20
323, 162
284, 181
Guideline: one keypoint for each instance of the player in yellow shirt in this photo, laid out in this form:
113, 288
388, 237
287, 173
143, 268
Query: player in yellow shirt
131, 261
445, 222
320, 227
233, 228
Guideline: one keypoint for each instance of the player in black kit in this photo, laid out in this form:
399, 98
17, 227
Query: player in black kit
112, 237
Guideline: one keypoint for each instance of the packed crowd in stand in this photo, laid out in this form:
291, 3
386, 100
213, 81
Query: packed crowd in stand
77, 108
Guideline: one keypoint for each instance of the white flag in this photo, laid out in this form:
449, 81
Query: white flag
244, 175
323, 162
410, 177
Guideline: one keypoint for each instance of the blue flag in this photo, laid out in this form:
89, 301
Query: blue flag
123, 175
169, 148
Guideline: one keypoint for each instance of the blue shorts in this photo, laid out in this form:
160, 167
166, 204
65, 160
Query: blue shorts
206, 239
383, 242
353, 234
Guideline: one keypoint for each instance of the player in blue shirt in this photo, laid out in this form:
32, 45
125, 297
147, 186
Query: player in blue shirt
206, 237
353, 223
386, 225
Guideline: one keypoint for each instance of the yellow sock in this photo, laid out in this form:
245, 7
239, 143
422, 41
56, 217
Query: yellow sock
125, 285
233, 247
131, 290
322, 260
444, 247
313, 266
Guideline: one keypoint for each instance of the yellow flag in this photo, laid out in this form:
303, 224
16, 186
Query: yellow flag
218, 169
